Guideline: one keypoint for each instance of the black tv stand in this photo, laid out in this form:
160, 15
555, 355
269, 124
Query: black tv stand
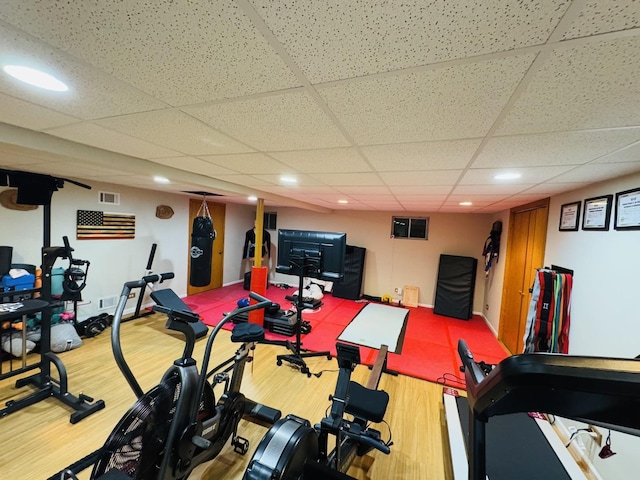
296, 357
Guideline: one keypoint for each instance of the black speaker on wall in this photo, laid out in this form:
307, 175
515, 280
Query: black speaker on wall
455, 287
351, 285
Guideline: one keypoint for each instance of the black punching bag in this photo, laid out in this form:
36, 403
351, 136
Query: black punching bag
202, 236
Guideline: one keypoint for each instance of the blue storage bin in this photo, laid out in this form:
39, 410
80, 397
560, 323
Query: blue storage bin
25, 282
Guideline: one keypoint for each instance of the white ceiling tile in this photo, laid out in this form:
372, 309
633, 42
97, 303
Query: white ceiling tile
628, 154
446, 155
421, 198
602, 16
475, 203
248, 180
194, 165
249, 163
563, 148
507, 189
335, 40
549, 189
174, 130
91, 94
301, 179
180, 52
481, 176
289, 121
594, 85
446, 103
372, 198
337, 179
597, 172
25, 114
364, 190
474, 198
101, 137
420, 189
436, 177
325, 160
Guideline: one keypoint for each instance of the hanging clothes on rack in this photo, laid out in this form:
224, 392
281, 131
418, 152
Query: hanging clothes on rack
549, 317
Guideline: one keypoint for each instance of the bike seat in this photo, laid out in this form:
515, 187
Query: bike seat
365, 403
247, 332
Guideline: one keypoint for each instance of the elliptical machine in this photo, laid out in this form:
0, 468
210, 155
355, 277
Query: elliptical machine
177, 425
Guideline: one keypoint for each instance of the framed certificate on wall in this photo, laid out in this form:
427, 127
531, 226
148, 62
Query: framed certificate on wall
569, 217
628, 210
597, 213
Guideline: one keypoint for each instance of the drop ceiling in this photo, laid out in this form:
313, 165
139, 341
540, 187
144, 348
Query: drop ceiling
392, 106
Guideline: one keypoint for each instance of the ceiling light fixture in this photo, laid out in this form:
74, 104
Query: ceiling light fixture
252, 198
159, 179
507, 176
36, 78
343, 201
465, 204
285, 179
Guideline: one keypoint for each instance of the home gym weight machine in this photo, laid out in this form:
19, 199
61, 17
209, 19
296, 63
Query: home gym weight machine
177, 425
37, 189
292, 449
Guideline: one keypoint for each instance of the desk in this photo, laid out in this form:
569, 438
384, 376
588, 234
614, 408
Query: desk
29, 307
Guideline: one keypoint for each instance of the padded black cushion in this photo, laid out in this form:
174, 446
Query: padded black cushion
247, 332
365, 403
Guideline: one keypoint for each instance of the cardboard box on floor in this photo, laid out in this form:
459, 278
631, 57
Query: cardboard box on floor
410, 296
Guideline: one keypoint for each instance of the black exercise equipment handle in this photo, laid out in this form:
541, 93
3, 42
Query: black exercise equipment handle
116, 346
476, 375
366, 439
67, 248
161, 277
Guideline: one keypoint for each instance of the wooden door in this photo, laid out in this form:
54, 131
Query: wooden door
217, 212
525, 254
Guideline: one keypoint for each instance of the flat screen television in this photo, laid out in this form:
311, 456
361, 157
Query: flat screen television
311, 254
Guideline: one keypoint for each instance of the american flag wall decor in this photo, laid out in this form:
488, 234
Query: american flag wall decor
91, 225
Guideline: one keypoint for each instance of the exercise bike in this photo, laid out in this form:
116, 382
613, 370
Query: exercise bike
177, 425
292, 449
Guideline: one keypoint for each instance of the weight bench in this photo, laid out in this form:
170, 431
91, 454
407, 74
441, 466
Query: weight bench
168, 298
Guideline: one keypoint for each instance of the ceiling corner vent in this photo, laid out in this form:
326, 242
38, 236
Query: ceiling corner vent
110, 198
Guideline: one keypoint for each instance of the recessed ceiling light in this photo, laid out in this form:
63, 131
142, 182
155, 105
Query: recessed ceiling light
252, 198
285, 179
158, 179
36, 78
465, 204
507, 176
343, 201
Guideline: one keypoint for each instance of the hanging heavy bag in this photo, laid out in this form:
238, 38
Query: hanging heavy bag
202, 237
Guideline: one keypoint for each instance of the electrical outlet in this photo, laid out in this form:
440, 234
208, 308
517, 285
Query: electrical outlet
132, 295
398, 290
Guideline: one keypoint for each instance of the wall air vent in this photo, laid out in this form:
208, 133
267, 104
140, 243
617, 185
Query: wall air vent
109, 198
107, 302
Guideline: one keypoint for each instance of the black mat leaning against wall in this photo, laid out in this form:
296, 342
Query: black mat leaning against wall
455, 287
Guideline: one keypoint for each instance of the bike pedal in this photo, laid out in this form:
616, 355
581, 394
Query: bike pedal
240, 445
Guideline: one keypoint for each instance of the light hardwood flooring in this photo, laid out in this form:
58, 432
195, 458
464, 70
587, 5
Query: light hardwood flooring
39, 440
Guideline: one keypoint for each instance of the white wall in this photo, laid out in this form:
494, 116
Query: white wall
604, 312
494, 281
604, 316
391, 262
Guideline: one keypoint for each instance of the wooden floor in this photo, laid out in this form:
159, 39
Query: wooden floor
39, 440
